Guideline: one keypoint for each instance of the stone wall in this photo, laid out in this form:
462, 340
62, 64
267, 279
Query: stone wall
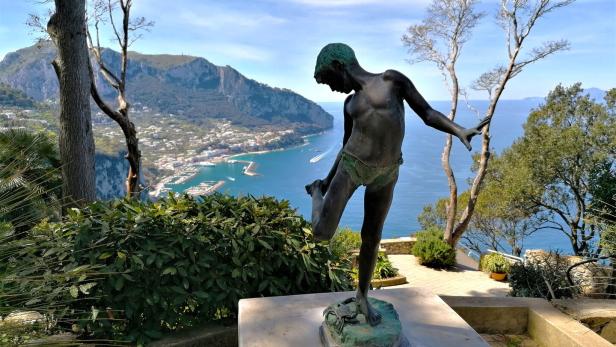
590, 277
400, 245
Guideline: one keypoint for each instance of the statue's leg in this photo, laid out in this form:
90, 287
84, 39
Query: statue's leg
376, 206
327, 209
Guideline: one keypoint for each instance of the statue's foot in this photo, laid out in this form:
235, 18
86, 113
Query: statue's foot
373, 317
312, 187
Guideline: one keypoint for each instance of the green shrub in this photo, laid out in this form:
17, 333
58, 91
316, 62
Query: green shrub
432, 251
135, 270
345, 241
494, 262
384, 268
544, 277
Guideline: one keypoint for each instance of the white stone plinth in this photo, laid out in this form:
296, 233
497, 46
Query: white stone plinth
294, 320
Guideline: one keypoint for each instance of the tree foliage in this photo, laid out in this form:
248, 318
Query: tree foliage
553, 177
30, 183
500, 221
568, 143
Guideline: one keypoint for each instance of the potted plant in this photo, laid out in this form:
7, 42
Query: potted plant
497, 265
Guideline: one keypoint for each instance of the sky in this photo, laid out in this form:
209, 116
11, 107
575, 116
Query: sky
276, 41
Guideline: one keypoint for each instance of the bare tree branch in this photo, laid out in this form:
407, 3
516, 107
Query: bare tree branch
517, 18
489, 80
538, 53
125, 36
439, 39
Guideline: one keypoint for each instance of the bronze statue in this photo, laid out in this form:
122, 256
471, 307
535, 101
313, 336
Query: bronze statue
371, 153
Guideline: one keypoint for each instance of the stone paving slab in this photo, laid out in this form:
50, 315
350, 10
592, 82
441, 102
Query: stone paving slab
427, 321
461, 281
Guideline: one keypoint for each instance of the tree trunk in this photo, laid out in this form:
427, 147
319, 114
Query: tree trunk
452, 205
133, 156
67, 28
465, 218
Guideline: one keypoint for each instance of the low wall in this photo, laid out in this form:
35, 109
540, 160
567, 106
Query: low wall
537, 318
400, 245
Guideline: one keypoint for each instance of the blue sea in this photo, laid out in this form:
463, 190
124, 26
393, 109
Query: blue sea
284, 173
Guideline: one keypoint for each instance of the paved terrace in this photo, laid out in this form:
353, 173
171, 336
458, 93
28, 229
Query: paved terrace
463, 280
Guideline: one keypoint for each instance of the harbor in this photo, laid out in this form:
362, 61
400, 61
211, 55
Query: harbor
205, 188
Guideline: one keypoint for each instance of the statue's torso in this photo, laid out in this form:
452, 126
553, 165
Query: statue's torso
377, 112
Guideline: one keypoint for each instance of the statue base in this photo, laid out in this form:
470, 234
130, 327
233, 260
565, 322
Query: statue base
294, 320
353, 330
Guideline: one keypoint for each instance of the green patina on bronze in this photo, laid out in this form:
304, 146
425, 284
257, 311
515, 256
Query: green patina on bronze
334, 51
362, 174
387, 334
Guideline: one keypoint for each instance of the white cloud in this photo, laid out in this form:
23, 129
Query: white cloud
217, 19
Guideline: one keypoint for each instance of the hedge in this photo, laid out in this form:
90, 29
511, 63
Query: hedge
134, 270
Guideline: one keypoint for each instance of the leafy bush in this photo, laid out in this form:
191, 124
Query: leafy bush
345, 241
384, 268
494, 262
135, 270
432, 251
545, 277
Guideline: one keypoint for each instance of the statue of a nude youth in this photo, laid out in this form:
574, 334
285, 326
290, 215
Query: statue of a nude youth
371, 152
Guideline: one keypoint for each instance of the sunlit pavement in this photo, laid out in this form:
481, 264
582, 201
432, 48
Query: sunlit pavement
460, 281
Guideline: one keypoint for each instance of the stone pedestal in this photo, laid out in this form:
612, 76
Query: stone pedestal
295, 320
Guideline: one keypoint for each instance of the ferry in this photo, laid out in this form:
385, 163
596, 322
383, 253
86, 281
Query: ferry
317, 158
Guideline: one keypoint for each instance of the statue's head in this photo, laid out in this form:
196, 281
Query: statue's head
331, 66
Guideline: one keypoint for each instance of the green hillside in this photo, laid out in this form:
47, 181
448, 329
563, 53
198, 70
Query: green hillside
14, 97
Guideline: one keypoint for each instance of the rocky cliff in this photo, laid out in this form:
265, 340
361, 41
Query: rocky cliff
190, 87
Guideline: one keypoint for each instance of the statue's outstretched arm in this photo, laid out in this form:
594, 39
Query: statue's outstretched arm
430, 116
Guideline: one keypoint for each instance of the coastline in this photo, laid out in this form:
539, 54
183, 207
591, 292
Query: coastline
249, 170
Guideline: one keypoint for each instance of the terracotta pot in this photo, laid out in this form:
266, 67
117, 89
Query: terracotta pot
498, 276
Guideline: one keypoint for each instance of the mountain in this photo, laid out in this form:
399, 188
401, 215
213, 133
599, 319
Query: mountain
110, 174
186, 86
14, 97
595, 93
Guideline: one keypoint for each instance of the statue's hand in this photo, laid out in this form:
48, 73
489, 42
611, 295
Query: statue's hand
467, 134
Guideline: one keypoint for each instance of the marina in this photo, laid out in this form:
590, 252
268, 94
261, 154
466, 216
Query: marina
205, 188
185, 175
250, 169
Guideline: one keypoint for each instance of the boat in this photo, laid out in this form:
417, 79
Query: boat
317, 158
320, 156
